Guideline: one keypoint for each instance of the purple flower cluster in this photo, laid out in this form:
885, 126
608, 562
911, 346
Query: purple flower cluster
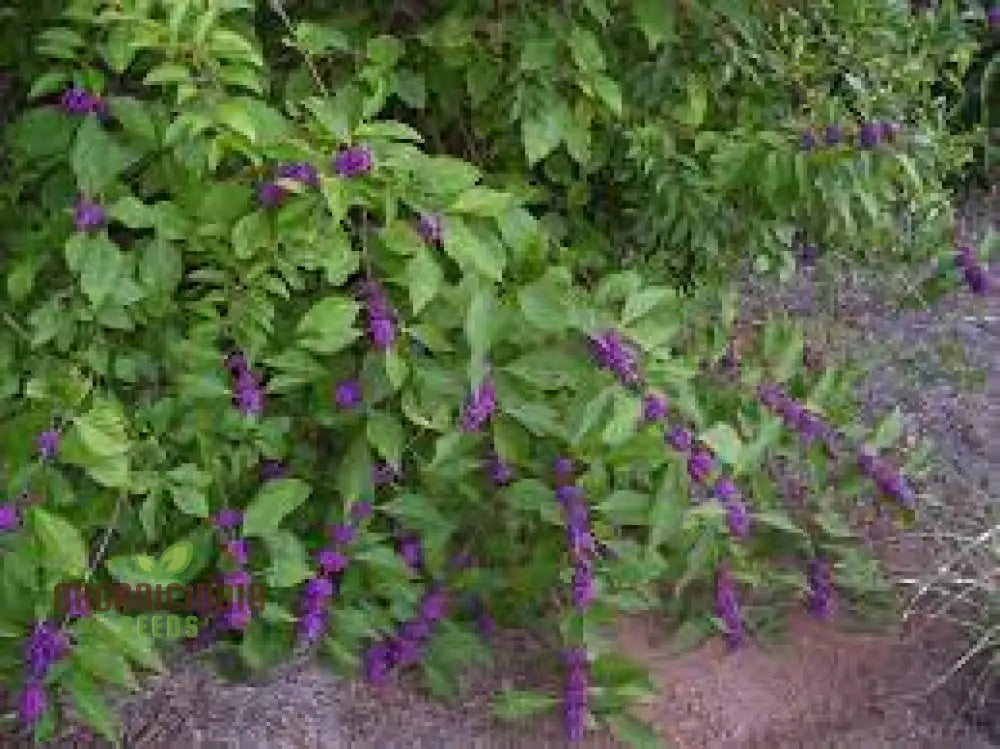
737, 516
48, 443
575, 692
238, 615
248, 391
580, 542
384, 474
353, 162
347, 393
869, 135
89, 215
271, 194
8, 517
727, 608
796, 417
406, 647
312, 608
45, 645
993, 16
613, 353
501, 473
654, 407
821, 592
700, 465
271, 469
79, 101
228, 518
411, 550
431, 229
381, 316
889, 479
679, 439
974, 272
479, 406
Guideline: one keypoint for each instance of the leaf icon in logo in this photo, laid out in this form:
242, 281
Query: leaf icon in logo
177, 557
145, 563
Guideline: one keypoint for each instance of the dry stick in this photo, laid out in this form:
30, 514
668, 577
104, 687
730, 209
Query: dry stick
279, 8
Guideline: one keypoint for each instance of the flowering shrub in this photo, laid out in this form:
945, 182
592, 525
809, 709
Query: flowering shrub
336, 360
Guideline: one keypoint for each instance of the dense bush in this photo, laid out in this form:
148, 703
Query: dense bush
258, 311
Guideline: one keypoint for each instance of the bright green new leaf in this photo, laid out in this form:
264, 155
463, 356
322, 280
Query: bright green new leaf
424, 277
328, 326
289, 562
470, 252
385, 434
724, 442
65, 549
275, 500
97, 158
516, 704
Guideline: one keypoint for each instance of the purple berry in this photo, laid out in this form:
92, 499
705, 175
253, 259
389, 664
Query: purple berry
228, 518
348, 393
8, 518
679, 439
89, 215
270, 195
353, 162
654, 407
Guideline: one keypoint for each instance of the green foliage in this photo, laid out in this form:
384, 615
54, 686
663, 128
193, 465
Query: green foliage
553, 142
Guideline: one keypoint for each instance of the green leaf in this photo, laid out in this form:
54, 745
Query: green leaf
275, 500
385, 434
425, 277
514, 704
586, 50
396, 369
100, 269
633, 732
889, 430
132, 212
544, 130
544, 303
289, 564
97, 159
667, 511
121, 633
482, 201
481, 321
532, 496
328, 326
190, 500
624, 418
592, 412
63, 544
609, 92
92, 707
778, 520
354, 479
724, 442
626, 507
463, 246
102, 430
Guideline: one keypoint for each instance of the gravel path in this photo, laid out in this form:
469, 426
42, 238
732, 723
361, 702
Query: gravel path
822, 687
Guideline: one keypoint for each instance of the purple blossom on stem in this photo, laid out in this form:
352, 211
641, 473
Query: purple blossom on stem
354, 161
248, 395
868, 135
700, 465
808, 141
236, 363
8, 518
611, 352
833, 135
654, 407
431, 228
79, 101
347, 393
299, 171
238, 549
270, 194
271, 469
821, 591
228, 518
383, 474
737, 518
32, 702
479, 406
376, 663
89, 215
434, 605
48, 444
501, 474
331, 561
993, 17
575, 692
44, 646
381, 316
411, 551
679, 439
343, 533
563, 469
583, 586
569, 494
727, 608
361, 510
312, 609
